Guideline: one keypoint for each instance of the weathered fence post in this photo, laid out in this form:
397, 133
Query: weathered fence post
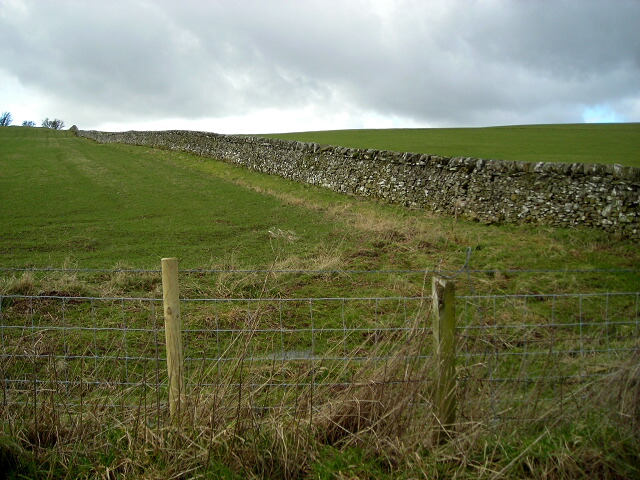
444, 335
173, 333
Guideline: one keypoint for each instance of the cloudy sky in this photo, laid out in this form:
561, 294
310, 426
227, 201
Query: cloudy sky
259, 66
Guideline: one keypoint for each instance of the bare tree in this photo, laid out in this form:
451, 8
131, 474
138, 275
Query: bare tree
28, 123
5, 119
55, 124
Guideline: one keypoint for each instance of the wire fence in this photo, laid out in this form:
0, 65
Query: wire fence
527, 352
517, 355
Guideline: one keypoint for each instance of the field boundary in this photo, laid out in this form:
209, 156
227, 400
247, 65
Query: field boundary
505, 358
605, 197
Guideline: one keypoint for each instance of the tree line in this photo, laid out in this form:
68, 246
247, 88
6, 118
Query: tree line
56, 124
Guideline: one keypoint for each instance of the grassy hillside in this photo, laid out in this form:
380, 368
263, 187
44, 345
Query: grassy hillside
70, 202
69, 199
571, 143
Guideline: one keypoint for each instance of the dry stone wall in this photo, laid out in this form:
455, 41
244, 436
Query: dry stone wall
558, 194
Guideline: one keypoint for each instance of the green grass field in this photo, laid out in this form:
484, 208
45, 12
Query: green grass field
67, 199
69, 202
571, 143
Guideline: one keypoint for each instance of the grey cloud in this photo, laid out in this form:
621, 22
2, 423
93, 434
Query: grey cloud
519, 57
436, 62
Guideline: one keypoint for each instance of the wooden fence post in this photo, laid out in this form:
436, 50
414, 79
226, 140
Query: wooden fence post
444, 335
173, 333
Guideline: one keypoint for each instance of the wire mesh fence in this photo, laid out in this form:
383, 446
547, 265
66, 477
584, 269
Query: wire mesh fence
521, 354
517, 354
109, 352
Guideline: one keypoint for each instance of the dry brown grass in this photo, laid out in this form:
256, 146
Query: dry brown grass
384, 414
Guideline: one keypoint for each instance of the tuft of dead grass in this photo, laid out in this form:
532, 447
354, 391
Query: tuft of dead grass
24, 284
619, 392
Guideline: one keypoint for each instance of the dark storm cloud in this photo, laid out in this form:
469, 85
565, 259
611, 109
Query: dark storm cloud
430, 62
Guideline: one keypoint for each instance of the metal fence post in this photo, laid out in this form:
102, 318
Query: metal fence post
444, 334
173, 333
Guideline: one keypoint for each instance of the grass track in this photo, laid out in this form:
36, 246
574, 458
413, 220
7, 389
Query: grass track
568, 143
64, 198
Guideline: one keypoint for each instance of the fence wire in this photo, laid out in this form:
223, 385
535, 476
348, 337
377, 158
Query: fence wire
517, 354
